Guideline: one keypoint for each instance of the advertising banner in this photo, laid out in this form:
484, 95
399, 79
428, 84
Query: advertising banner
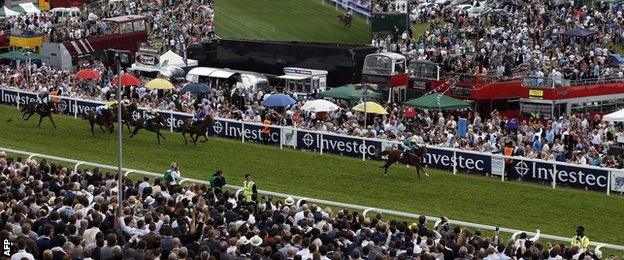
617, 181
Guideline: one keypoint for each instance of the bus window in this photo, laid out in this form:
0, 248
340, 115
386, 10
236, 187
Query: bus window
126, 28
113, 28
139, 25
399, 67
377, 64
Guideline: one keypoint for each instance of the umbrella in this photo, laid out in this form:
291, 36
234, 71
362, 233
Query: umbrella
278, 100
371, 107
6, 12
20, 55
617, 116
437, 101
88, 74
127, 80
319, 105
195, 88
159, 84
348, 92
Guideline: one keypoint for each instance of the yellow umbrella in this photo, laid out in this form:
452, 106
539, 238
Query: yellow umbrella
159, 84
371, 107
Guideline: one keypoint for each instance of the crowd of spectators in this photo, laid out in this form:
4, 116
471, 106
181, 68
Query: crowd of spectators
48, 211
166, 20
514, 35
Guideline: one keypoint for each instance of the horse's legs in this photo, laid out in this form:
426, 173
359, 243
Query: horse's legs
29, 115
158, 137
205, 138
136, 130
418, 172
161, 135
184, 135
52, 121
102, 128
128, 125
423, 170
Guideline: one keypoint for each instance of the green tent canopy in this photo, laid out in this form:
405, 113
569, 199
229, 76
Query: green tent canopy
20, 55
437, 101
348, 92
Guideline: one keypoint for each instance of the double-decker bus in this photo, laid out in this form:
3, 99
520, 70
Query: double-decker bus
123, 33
388, 71
547, 98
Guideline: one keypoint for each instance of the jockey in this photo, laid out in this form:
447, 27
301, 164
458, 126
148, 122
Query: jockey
200, 114
408, 145
349, 13
100, 109
151, 115
43, 98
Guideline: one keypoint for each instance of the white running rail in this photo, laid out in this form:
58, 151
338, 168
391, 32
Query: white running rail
319, 201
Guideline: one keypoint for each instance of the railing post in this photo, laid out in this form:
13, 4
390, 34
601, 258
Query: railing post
609, 182
281, 131
76, 108
364, 150
321, 142
454, 162
17, 100
243, 132
128, 172
31, 156
504, 169
172, 121
76, 166
554, 176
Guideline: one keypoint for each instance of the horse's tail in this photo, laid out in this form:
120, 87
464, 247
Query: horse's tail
384, 153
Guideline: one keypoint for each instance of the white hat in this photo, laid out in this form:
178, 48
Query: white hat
255, 240
242, 241
289, 201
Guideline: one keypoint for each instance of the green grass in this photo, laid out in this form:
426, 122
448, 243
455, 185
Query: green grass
287, 20
465, 197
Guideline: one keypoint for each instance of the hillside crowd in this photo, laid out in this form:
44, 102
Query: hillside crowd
48, 211
166, 20
556, 39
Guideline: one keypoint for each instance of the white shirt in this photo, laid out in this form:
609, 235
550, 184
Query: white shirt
22, 254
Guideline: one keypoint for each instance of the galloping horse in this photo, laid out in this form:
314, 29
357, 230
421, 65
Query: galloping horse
200, 129
127, 115
414, 159
43, 111
106, 119
151, 125
345, 20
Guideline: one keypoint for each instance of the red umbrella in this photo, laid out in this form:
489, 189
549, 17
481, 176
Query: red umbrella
88, 74
127, 80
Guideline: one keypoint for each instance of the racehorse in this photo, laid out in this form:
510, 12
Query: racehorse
199, 129
414, 159
44, 111
149, 125
345, 20
106, 119
127, 115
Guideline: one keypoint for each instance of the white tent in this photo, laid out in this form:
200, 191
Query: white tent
617, 116
6, 12
30, 8
173, 59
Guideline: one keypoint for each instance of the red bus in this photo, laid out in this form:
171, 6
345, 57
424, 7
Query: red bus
548, 98
488, 93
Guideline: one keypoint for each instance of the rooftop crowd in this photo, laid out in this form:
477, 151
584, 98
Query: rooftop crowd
516, 36
167, 20
48, 211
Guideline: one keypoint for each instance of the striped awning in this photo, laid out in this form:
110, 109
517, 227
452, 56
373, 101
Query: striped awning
79, 47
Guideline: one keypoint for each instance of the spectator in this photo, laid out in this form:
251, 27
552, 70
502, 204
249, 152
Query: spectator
217, 180
172, 176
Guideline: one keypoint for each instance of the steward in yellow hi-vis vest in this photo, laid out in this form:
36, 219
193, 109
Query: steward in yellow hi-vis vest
249, 189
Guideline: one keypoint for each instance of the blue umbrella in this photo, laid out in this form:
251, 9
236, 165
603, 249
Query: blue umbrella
278, 100
195, 88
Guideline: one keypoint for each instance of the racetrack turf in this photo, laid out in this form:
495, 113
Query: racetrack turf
473, 198
287, 20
